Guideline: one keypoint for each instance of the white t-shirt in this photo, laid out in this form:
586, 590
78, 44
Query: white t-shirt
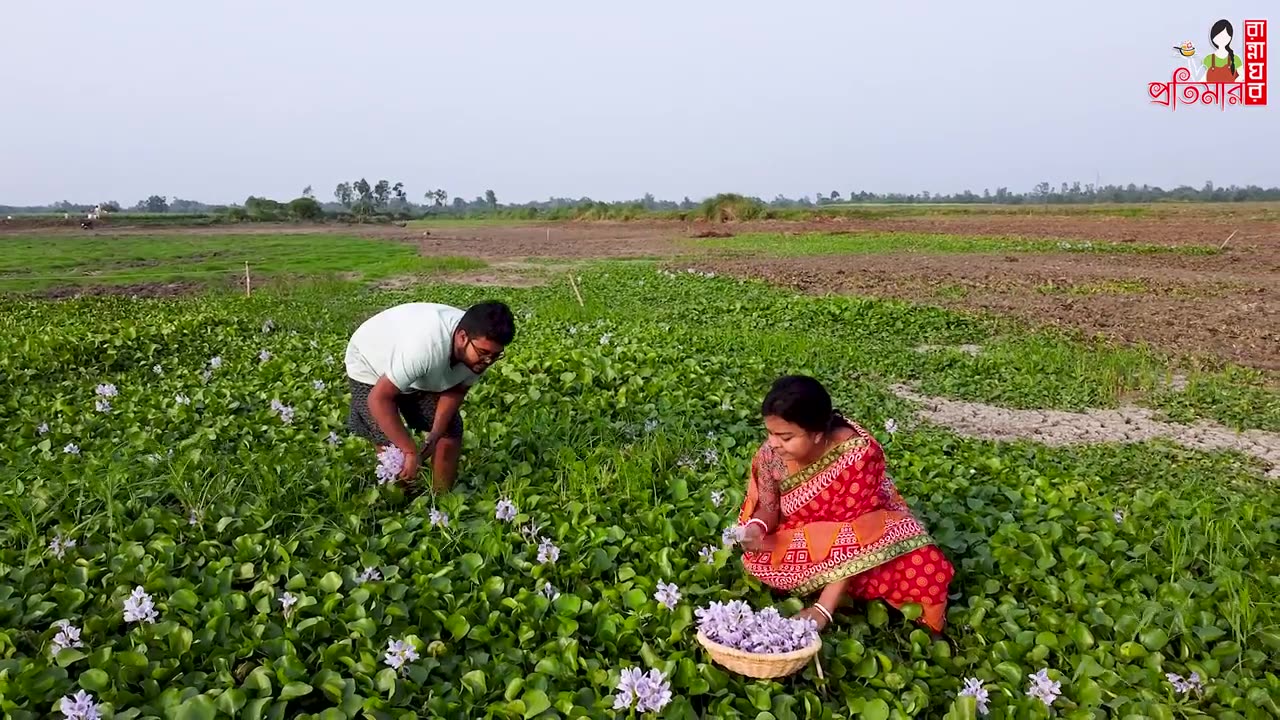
412, 345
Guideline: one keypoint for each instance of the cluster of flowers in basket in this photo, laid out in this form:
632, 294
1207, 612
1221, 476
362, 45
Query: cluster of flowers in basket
735, 624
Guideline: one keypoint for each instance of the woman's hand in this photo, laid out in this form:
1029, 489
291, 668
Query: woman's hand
814, 614
753, 538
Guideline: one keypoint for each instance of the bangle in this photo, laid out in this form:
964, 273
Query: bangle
753, 521
824, 611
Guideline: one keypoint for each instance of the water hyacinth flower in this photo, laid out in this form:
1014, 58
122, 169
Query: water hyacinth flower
370, 575
891, 426
548, 552
318, 385
42, 428
390, 463
1187, 685
284, 411
287, 601
1118, 516
102, 406
647, 692
268, 326
604, 339
1044, 689
107, 390
400, 653
264, 356
157, 369
530, 532
650, 425
438, 518
550, 592
68, 637
710, 456
71, 449
732, 535
139, 607
717, 497
736, 625
215, 362
973, 688
59, 546
206, 375
79, 707
668, 594
194, 517
333, 438
708, 554
181, 399
506, 510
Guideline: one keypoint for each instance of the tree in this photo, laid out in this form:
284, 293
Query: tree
491, 198
111, 206
398, 191
364, 195
344, 195
306, 192
835, 196
306, 208
155, 204
381, 194
459, 204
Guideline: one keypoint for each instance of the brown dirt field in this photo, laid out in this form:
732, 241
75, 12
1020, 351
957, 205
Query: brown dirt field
1219, 307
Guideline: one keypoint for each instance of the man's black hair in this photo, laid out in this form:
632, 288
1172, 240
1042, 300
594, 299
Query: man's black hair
490, 319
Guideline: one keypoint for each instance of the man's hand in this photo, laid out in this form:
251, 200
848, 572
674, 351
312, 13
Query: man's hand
412, 463
753, 538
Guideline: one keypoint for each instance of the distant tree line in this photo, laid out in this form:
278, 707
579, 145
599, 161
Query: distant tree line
383, 200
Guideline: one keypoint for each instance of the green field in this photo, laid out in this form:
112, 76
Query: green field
609, 426
866, 243
32, 262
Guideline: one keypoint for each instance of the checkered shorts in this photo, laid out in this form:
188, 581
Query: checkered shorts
417, 408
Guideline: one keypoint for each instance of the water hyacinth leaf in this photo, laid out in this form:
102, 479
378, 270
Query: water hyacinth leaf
876, 709
231, 701
476, 682
68, 656
94, 680
535, 703
457, 626
331, 582
200, 707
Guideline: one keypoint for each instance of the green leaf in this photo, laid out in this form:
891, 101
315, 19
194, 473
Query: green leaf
184, 599
535, 703
68, 656
199, 707
95, 680
230, 701
294, 690
457, 626
476, 682
875, 710
330, 583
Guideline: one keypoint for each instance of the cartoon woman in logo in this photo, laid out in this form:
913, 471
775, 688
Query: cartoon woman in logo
1221, 65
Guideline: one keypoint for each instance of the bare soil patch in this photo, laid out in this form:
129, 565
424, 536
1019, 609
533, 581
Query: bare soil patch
147, 290
1223, 306
1122, 425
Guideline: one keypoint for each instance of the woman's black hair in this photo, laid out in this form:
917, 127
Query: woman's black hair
800, 400
1213, 33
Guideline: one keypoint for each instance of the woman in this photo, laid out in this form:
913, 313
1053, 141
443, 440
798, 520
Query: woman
820, 513
1221, 65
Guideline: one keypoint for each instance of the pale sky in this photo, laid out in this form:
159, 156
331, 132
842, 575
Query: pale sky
216, 101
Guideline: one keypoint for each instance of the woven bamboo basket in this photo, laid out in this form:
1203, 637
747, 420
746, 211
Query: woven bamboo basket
761, 665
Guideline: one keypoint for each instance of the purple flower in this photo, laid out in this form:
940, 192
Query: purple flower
215, 362
370, 574
79, 707
732, 535
181, 399
59, 545
287, 601
438, 518
736, 625
506, 510
285, 412
71, 449
139, 607
318, 385
102, 406
68, 637
1044, 689
333, 438
708, 553
264, 356
107, 390
648, 692
668, 594
548, 552
157, 369
390, 463
1187, 685
550, 592
43, 428
717, 497
973, 688
400, 653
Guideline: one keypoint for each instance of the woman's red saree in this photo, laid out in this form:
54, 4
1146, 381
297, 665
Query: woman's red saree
842, 517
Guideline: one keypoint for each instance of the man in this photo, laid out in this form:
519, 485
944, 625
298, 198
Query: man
413, 363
